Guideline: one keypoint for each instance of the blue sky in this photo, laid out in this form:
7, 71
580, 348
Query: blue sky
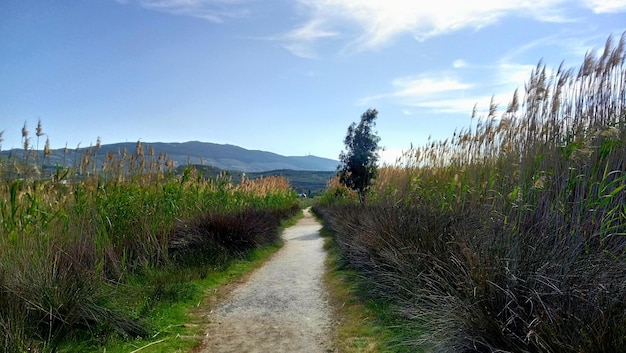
281, 76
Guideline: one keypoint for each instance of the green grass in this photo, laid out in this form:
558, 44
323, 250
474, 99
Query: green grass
170, 301
166, 299
365, 324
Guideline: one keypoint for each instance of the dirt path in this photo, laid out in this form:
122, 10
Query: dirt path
283, 306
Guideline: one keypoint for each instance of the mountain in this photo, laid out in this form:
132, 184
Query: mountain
227, 157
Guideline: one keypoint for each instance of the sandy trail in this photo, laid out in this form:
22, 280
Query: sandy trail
283, 306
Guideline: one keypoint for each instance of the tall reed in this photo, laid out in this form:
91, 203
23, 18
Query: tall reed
510, 236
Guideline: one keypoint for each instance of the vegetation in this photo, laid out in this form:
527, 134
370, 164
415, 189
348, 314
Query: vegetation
171, 302
73, 239
359, 159
365, 324
511, 235
309, 182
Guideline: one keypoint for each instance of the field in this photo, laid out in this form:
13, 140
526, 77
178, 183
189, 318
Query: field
87, 252
510, 236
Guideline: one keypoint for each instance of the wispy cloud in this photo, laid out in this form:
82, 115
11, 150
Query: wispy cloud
374, 23
443, 92
414, 90
574, 44
409, 87
466, 105
380, 21
212, 10
511, 74
459, 63
300, 41
606, 6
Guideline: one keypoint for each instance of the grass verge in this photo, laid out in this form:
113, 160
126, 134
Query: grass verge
364, 324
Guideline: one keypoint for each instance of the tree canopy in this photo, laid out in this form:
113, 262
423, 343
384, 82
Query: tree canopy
358, 167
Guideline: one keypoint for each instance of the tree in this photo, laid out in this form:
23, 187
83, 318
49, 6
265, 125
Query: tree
358, 167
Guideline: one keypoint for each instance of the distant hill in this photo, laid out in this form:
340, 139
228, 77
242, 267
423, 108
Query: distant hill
226, 157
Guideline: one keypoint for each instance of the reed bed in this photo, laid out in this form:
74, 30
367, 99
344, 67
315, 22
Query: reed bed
511, 235
70, 235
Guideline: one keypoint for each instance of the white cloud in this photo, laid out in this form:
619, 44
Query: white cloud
412, 88
606, 6
380, 21
300, 41
574, 44
466, 105
439, 92
455, 105
310, 31
459, 63
212, 10
423, 85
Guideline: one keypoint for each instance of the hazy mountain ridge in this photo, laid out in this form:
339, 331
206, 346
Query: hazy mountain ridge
222, 156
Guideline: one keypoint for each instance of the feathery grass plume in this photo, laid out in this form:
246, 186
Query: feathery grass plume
75, 165
95, 155
25, 142
119, 170
170, 164
38, 133
139, 158
47, 152
25, 131
108, 165
46, 149
139, 149
65, 152
152, 164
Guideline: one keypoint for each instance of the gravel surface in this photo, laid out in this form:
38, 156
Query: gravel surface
283, 306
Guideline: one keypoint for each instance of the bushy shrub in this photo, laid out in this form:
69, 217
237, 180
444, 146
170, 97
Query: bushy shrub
218, 236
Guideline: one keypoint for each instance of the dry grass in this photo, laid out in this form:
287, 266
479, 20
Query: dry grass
357, 330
